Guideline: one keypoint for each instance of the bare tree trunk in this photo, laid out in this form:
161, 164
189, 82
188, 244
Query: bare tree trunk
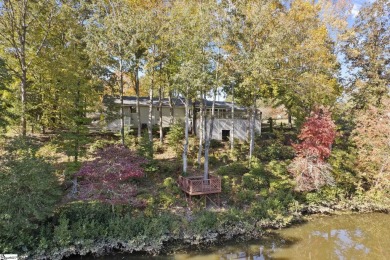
233, 123
201, 128
208, 137
252, 132
150, 117
185, 150
193, 132
78, 125
22, 55
171, 111
23, 87
76, 145
260, 121
122, 113
160, 91
136, 78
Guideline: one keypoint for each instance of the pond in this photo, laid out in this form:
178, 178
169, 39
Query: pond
355, 236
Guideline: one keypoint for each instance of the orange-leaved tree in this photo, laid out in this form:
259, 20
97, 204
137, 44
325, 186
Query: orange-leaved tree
372, 139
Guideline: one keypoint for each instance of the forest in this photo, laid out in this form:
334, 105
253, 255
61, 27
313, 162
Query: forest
67, 188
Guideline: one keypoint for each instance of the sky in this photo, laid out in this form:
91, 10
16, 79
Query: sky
357, 4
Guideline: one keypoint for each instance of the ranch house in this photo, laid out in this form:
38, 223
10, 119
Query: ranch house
223, 123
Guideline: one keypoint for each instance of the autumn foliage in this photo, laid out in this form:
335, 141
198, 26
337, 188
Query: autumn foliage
108, 177
309, 168
317, 135
372, 140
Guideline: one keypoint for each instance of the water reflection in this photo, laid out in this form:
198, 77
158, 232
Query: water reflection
341, 237
344, 241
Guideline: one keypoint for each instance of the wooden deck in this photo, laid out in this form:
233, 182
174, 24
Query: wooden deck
196, 185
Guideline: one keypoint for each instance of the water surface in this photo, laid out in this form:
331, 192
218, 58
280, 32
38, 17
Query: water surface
356, 236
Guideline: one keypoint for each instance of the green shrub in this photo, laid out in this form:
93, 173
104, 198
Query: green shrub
169, 167
245, 196
344, 169
279, 179
175, 137
100, 144
90, 222
70, 169
166, 199
232, 215
204, 221
278, 151
169, 183
263, 192
280, 185
48, 151
226, 184
240, 151
252, 182
62, 235
273, 206
159, 225
29, 192
131, 140
158, 148
213, 161
258, 170
326, 196
169, 194
255, 163
224, 158
258, 210
145, 147
215, 144
275, 146
235, 168
151, 167
278, 168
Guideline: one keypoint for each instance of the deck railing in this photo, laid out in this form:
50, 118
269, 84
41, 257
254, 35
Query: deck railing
196, 185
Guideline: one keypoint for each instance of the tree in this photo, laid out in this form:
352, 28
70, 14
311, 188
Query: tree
191, 42
5, 78
251, 54
157, 57
366, 47
107, 39
372, 139
217, 32
24, 27
305, 62
63, 86
309, 167
29, 193
107, 177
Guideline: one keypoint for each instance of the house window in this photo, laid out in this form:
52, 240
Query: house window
132, 110
225, 135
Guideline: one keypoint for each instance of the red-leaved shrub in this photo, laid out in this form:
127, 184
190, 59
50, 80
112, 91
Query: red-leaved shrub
309, 168
108, 177
317, 135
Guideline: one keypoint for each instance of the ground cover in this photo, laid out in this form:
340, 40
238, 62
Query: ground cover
255, 197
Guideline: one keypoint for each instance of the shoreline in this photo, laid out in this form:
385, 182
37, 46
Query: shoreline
228, 231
